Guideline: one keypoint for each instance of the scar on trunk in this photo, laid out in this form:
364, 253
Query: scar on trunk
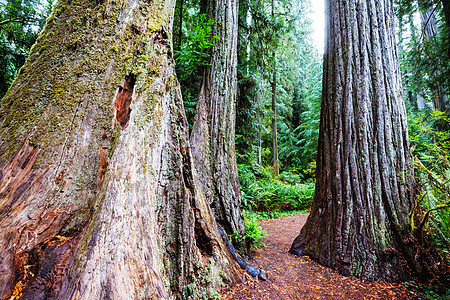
123, 101
103, 164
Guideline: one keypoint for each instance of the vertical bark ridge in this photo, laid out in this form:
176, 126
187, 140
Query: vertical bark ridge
100, 201
212, 138
364, 175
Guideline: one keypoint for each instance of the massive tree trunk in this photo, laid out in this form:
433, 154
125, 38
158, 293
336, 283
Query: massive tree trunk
98, 194
359, 218
213, 134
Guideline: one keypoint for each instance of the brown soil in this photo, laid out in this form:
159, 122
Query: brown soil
293, 277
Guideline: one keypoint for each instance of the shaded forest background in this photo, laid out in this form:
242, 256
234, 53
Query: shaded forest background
278, 64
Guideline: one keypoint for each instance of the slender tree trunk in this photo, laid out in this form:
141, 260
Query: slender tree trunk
429, 24
446, 8
213, 134
276, 167
98, 194
180, 24
260, 148
359, 218
430, 30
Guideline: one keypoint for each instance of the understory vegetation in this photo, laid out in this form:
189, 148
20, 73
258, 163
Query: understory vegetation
431, 148
261, 192
278, 39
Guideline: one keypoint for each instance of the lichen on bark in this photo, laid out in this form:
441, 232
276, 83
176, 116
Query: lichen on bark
213, 133
120, 195
365, 188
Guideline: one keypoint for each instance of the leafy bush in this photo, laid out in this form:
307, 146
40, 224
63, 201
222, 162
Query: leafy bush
428, 291
253, 231
290, 177
260, 192
269, 215
191, 58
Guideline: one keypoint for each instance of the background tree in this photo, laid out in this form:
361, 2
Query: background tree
424, 56
195, 38
298, 84
364, 192
276, 167
213, 133
98, 193
424, 64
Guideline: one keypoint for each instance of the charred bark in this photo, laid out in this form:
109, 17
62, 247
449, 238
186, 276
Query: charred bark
359, 218
213, 134
98, 195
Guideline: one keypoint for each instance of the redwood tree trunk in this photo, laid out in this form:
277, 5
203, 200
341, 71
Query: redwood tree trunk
359, 218
430, 30
213, 134
276, 167
98, 194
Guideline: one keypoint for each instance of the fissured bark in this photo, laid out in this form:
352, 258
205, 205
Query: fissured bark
213, 134
98, 195
364, 192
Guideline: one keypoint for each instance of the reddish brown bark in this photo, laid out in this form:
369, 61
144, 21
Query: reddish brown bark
213, 133
98, 194
359, 218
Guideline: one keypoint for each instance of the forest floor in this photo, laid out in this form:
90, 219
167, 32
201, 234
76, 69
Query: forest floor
293, 277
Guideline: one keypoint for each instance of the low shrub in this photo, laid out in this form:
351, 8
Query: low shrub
270, 195
253, 231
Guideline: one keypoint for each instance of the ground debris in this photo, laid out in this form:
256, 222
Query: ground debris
292, 277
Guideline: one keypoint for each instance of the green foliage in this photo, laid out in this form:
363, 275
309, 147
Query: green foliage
431, 150
291, 177
424, 54
215, 296
308, 128
20, 23
193, 55
428, 291
262, 193
253, 232
286, 38
433, 295
195, 52
269, 215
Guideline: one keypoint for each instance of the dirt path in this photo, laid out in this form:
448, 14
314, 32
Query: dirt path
294, 277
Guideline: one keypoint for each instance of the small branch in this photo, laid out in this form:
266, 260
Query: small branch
17, 20
429, 172
413, 210
427, 214
426, 24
